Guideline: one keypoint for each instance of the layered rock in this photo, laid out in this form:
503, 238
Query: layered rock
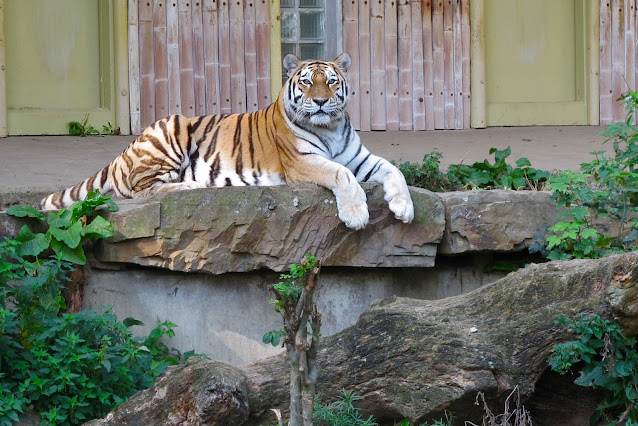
237, 229
494, 220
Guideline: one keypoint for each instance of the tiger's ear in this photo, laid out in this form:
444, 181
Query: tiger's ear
291, 62
343, 61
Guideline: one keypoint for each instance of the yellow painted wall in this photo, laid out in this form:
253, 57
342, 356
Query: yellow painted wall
59, 60
536, 62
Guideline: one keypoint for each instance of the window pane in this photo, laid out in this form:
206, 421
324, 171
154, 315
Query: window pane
311, 51
287, 3
310, 25
287, 48
310, 3
289, 24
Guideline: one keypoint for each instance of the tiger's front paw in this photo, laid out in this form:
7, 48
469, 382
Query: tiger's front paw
354, 215
352, 207
402, 207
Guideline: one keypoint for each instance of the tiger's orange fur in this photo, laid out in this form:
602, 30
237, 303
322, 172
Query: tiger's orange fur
305, 136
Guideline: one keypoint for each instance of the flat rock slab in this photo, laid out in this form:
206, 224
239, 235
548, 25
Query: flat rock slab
238, 229
495, 220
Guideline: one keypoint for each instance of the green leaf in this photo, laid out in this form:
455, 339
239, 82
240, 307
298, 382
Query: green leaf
523, 162
32, 244
130, 322
25, 210
64, 252
99, 228
588, 378
624, 368
71, 236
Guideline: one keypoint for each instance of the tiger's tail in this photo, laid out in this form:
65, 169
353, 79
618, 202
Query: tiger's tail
66, 197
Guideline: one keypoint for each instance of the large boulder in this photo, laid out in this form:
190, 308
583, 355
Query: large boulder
415, 359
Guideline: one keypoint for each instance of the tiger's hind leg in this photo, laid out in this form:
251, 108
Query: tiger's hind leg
166, 187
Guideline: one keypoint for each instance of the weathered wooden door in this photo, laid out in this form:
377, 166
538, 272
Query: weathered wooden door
536, 62
59, 59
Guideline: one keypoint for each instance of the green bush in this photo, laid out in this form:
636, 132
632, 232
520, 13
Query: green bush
480, 175
500, 174
609, 360
606, 189
68, 367
428, 174
342, 412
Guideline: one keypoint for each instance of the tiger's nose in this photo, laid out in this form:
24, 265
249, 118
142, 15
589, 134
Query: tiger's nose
320, 101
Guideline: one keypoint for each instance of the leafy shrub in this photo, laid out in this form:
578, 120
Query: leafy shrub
428, 174
287, 291
342, 412
500, 175
606, 189
609, 361
480, 175
69, 367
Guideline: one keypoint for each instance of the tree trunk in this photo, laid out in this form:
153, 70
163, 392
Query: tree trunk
415, 359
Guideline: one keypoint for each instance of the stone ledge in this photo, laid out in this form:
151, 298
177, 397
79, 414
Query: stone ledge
495, 220
239, 229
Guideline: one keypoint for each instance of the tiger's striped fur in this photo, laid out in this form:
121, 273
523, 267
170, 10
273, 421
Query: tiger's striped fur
304, 136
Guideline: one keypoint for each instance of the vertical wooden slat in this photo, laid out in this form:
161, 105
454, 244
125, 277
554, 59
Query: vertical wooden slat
224, 57
418, 93
186, 72
250, 55
448, 62
172, 48
428, 64
458, 65
465, 61
351, 45
478, 115
134, 67
210, 25
438, 57
364, 63
160, 59
237, 65
276, 65
593, 66
618, 57
147, 71
120, 56
263, 53
377, 65
405, 65
391, 32
606, 101
199, 79
630, 45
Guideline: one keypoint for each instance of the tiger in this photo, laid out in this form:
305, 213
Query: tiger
304, 136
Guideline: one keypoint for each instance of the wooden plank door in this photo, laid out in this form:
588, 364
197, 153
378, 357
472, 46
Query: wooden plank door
536, 62
59, 64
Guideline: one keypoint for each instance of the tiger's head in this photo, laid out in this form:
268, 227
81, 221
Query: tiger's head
316, 92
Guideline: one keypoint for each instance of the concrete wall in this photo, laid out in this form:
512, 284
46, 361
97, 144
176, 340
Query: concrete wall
225, 316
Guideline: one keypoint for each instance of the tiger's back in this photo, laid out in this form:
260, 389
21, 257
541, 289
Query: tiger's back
183, 153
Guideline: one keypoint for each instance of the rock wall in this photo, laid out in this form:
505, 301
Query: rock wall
204, 258
242, 229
